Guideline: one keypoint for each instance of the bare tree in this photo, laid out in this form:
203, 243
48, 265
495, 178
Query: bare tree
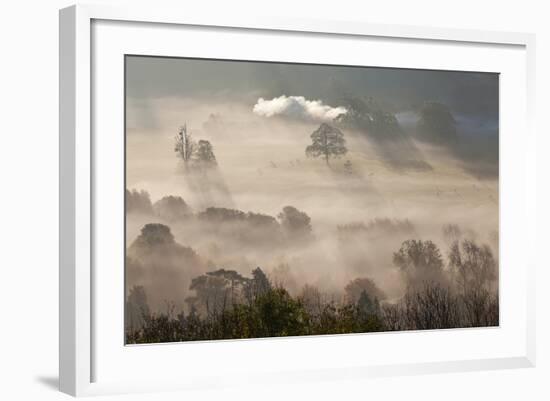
430, 307
473, 266
475, 272
185, 145
451, 233
310, 297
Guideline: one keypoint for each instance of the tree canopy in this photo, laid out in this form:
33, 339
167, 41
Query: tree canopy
327, 142
474, 266
138, 202
172, 208
361, 285
198, 154
295, 222
370, 118
420, 261
437, 124
205, 154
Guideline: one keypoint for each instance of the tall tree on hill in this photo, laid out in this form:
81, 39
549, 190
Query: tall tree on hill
327, 142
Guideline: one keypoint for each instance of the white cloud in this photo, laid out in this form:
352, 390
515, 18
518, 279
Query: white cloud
297, 107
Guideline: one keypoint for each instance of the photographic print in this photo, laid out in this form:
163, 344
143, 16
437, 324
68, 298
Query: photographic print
267, 199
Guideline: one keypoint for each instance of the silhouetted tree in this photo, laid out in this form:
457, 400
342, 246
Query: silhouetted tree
281, 315
473, 266
138, 201
356, 287
451, 233
369, 117
167, 265
437, 124
212, 294
377, 228
221, 214
185, 145
218, 290
259, 220
420, 261
134, 271
310, 297
282, 276
172, 208
430, 306
205, 154
258, 285
475, 271
327, 142
154, 234
368, 305
226, 304
136, 308
295, 222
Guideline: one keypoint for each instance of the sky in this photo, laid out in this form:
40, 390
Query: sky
470, 94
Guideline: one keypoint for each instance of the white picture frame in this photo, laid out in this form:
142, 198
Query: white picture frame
79, 316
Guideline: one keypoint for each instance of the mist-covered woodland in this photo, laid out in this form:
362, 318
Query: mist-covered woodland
270, 199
